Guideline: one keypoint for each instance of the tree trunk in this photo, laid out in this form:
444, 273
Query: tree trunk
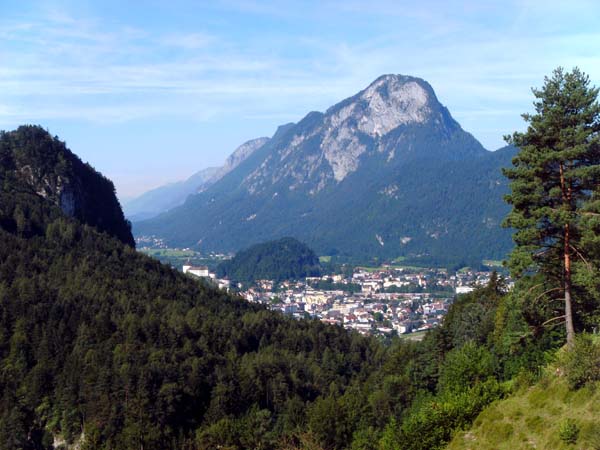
567, 281
566, 196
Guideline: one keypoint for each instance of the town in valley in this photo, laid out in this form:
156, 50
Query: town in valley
384, 301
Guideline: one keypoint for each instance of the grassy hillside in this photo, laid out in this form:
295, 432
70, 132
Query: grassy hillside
537, 417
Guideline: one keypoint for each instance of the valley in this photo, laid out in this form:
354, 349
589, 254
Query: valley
384, 301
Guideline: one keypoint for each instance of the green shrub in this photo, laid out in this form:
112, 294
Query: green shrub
525, 378
568, 431
582, 362
465, 366
432, 424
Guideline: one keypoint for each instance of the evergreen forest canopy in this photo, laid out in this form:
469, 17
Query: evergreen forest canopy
282, 259
107, 348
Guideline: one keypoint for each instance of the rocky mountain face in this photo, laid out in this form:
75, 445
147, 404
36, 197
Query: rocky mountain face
164, 198
49, 176
387, 172
240, 154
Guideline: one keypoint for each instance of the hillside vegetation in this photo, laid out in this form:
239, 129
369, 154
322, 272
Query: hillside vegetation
555, 201
97, 338
283, 259
106, 348
37, 171
547, 415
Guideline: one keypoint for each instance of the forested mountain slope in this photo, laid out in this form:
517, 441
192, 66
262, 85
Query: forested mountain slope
38, 171
100, 341
104, 348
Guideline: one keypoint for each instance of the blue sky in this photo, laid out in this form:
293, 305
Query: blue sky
153, 91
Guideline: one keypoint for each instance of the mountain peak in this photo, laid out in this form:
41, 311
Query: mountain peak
392, 101
388, 102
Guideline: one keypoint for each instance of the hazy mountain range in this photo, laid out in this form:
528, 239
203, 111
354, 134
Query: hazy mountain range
163, 198
387, 173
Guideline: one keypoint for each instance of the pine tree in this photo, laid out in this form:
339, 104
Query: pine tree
552, 182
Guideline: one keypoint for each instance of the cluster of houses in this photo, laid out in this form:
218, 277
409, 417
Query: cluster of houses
382, 301
366, 312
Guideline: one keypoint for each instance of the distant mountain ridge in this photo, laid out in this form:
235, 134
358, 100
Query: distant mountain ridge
238, 156
164, 198
387, 172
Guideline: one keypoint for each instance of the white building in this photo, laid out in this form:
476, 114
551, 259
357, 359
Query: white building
464, 289
199, 271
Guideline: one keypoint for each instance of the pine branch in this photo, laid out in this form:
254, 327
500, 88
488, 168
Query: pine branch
585, 261
552, 320
547, 292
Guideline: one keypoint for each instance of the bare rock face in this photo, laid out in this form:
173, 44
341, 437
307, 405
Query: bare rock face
389, 102
342, 148
392, 102
55, 188
243, 152
325, 148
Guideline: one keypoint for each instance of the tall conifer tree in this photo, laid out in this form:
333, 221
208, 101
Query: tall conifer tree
553, 179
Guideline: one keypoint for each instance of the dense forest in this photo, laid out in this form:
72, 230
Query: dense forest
99, 339
282, 259
106, 348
